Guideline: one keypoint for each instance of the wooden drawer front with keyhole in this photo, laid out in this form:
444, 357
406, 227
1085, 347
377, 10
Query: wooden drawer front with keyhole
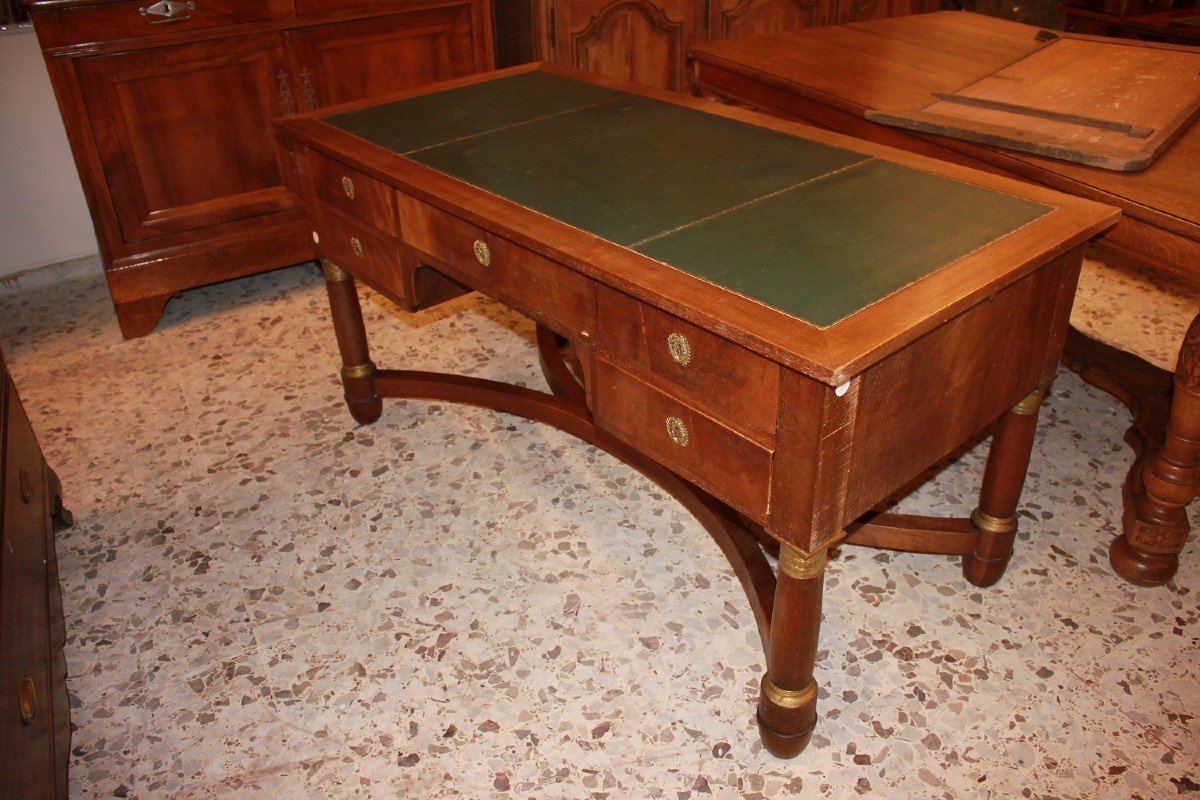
138, 18
359, 249
551, 293
683, 439
360, 196
737, 386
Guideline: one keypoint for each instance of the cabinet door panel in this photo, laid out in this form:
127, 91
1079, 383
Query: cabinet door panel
377, 56
761, 17
633, 40
184, 132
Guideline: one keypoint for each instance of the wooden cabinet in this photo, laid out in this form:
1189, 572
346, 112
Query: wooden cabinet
647, 40
34, 717
169, 114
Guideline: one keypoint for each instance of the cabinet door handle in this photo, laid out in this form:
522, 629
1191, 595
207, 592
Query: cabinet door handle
310, 92
27, 700
286, 101
169, 10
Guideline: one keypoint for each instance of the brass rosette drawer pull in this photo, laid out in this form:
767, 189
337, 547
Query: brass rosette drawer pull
679, 348
483, 253
677, 431
356, 246
348, 186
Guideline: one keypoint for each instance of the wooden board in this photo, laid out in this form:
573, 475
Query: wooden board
1103, 102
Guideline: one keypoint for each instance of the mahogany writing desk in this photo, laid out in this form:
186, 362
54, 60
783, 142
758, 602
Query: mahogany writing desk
831, 76
780, 326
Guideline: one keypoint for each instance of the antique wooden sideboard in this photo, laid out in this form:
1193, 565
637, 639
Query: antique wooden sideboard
647, 40
168, 104
35, 731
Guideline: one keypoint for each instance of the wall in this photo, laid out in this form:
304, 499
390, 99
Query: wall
43, 216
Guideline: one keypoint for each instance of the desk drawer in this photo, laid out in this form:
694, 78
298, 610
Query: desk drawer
360, 196
724, 378
550, 292
26, 730
359, 249
110, 21
683, 439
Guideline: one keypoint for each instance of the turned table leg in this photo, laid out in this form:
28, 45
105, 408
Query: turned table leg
1003, 478
1155, 522
358, 372
787, 707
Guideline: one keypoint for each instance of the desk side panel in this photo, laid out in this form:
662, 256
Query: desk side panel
902, 415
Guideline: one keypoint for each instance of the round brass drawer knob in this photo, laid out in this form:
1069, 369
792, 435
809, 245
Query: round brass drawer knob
348, 187
356, 246
27, 699
26, 486
679, 348
483, 253
677, 432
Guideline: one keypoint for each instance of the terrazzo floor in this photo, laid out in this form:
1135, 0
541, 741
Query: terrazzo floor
266, 600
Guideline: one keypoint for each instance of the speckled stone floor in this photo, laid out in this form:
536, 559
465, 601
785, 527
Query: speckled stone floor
265, 600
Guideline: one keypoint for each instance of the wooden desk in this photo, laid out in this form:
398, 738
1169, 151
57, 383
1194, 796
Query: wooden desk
831, 76
780, 326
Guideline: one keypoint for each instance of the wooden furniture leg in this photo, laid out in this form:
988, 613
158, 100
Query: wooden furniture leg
787, 705
358, 371
1003, 478
138, 317
1155, 522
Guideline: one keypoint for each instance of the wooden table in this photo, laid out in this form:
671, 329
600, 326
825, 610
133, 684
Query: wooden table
831, 76
779, 325
1178, 25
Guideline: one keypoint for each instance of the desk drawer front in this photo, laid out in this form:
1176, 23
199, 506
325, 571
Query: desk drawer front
360, 196
546, 290
25, 688
112, 21
683, 439
728, 380
359, 249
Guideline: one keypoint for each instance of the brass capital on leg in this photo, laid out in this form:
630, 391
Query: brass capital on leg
334, 273
798, 564
1030, 404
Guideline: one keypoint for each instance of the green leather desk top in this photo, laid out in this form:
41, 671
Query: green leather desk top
816, 231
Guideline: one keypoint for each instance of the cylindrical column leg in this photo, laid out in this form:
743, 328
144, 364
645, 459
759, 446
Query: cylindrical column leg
1155, 524
358, 372
1003, 478
787, 707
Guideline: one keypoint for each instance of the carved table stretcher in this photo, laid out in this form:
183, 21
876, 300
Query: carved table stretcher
780, 326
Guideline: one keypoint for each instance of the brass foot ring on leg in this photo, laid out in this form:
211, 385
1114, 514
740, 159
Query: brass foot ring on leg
788, 698
986, 523
358, 371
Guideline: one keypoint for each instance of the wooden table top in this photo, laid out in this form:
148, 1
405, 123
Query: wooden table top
817, 249
896, 64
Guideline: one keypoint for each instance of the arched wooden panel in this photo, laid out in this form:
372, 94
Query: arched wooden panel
760, 17
633, 40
